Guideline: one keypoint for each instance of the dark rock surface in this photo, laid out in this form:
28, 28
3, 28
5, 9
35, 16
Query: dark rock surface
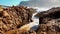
49, 21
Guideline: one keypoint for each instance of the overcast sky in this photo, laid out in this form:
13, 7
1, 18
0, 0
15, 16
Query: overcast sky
41, 3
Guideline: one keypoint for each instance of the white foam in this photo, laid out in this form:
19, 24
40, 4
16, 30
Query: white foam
35, 21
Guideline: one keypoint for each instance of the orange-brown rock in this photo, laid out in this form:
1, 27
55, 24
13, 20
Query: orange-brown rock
14, 17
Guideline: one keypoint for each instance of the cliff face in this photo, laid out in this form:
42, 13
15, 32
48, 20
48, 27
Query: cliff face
49, 21
14, 17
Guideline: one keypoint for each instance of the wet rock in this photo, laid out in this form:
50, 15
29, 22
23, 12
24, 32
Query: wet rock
49, 21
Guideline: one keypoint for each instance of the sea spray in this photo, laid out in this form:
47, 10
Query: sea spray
33, 25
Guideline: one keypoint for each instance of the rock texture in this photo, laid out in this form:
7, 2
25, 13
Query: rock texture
49, 21
20, 32
12, 18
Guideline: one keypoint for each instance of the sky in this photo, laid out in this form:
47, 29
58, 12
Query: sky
41, 3
10, 2
31, 3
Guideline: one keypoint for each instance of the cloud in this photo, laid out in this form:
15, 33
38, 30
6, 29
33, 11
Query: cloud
41, 3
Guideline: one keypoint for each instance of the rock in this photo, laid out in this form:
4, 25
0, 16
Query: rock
20, 32
53, 13
14, 17
27, 32
49, 21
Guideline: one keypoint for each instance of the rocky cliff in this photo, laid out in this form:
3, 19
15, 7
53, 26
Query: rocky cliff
12, 18
49, 21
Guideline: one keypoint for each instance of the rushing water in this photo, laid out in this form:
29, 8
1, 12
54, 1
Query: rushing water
33, 25
35, 22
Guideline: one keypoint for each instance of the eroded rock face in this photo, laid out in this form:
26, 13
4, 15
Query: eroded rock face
53, 13
14, 17
49, 21
20, 32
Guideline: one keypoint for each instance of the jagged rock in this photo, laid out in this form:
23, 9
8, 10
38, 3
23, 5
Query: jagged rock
20, 32
14, 17
49, 21
53, 13
46, 29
